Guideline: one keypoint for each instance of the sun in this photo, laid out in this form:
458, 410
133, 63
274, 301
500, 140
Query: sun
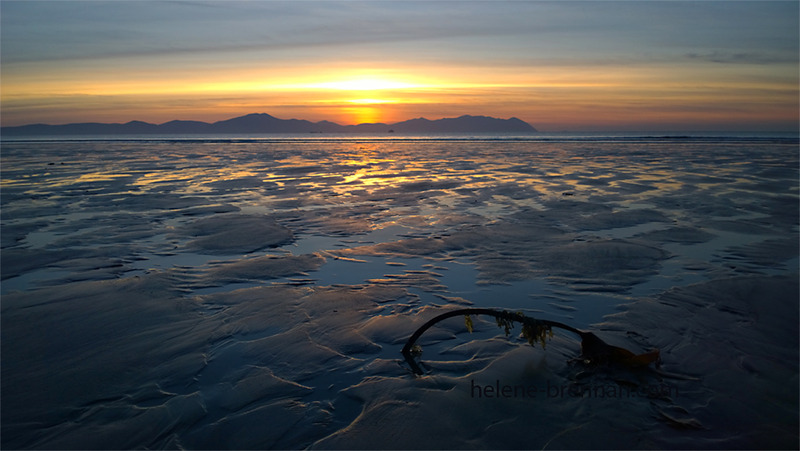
364, 114
365, 97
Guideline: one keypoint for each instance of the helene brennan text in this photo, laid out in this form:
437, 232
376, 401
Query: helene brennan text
549, 390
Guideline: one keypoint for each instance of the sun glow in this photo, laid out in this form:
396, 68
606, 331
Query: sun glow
364, 114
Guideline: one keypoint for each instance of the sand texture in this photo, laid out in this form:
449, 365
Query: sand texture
253, 294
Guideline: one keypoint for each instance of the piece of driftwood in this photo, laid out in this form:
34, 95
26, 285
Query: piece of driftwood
593, 349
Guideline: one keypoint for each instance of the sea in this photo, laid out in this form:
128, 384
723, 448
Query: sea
255, 291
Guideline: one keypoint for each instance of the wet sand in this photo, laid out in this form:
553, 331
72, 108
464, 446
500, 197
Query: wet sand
256, 293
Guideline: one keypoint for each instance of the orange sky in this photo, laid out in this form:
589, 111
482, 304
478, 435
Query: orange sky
558, 66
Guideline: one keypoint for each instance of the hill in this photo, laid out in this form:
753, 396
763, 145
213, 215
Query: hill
264, 123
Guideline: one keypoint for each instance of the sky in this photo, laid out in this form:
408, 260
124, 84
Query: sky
561, 66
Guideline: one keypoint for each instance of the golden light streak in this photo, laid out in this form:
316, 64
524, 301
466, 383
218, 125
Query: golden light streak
371, 101
365, 84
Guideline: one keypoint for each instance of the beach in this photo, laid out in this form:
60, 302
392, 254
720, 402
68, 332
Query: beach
255, 292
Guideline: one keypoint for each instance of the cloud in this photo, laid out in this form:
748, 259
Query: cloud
471, 31
37, 31
729, 57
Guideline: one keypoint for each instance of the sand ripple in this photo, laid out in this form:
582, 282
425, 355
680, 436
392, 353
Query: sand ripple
180, 295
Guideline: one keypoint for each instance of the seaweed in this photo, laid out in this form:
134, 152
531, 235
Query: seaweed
593, 349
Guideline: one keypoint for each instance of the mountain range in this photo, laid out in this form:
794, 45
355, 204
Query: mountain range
264, 123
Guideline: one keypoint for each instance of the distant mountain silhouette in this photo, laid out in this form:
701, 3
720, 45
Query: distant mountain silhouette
264, 123
463, 124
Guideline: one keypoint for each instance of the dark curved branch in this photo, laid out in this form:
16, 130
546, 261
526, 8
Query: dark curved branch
592, 347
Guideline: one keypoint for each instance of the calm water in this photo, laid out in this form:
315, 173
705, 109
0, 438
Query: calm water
202, 285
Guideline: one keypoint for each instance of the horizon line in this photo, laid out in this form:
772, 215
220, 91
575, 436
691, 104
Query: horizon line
537, 130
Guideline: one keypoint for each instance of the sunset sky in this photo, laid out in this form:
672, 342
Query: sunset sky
558, 65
